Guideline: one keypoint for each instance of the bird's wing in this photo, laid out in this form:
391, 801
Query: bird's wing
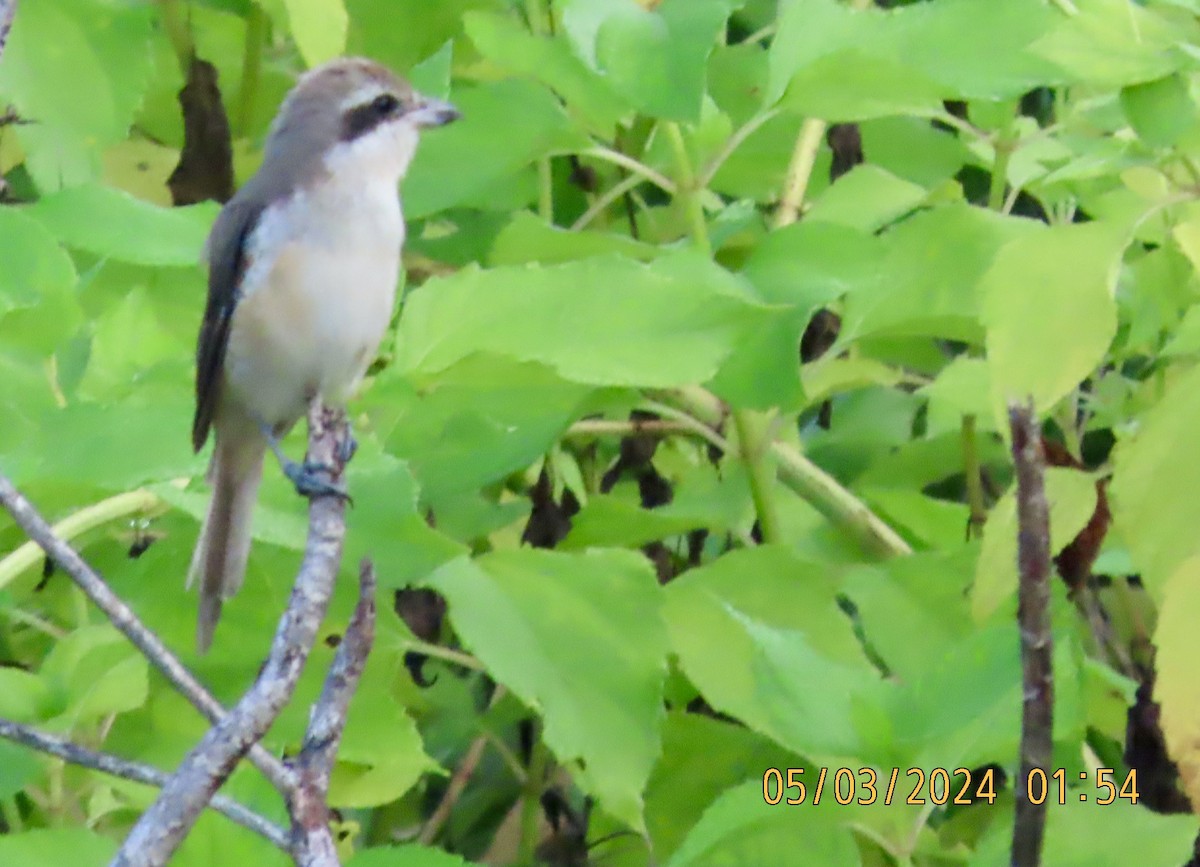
227, 263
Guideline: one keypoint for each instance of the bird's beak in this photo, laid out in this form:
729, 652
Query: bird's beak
433, 112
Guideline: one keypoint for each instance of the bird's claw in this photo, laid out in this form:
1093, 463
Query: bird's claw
346, 446
306, 478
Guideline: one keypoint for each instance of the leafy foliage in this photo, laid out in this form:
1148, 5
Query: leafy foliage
758, 446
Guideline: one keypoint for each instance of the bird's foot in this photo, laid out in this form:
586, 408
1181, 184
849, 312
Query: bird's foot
307, 478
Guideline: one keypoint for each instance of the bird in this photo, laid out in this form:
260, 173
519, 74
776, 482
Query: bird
303, 262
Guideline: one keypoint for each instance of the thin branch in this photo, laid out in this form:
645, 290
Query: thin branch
122, 617
1037, 645
164, 825
800, 168
633, 165
597, 427
8, 8
458, 784
115, 766
312, 841
602, 202
457, 657
734, 142
972, 474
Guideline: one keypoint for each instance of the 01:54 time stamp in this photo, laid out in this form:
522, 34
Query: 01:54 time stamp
939, 786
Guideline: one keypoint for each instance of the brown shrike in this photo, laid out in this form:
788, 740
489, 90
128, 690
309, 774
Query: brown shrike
303, 263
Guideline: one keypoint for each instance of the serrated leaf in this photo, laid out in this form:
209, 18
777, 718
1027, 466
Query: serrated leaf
1062, 274
1155, 509
764, 651
601, 321
579, 638
112, 223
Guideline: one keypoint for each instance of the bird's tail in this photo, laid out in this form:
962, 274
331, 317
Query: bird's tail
219, 562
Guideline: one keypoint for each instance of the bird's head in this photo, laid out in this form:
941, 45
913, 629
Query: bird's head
353, 114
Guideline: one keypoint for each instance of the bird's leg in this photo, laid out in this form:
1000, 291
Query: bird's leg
347, 445
306, 477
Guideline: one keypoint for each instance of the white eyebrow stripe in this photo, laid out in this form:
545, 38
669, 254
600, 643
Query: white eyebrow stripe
363, 95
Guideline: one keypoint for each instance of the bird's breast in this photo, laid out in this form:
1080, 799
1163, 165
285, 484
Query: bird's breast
316, 299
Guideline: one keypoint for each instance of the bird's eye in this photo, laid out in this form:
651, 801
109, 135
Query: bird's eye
385, 104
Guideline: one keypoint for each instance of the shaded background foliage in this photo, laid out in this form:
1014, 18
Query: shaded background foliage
618, 343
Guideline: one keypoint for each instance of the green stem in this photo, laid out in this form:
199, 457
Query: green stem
531, 808
977, 515
638, 168
836, 503
687, 191
1004, 150
752, 444
804, 157
415, 645
256, 36
176, 27
29, 554
817, 487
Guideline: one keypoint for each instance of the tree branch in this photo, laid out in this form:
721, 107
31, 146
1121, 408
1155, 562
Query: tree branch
313, 844
122, 617
137, 772
1033, 615
8, 8
164, 825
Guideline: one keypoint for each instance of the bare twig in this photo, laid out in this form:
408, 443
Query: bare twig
312, 842
164, 825
122, 617
8, 9
1033, 615
138, 773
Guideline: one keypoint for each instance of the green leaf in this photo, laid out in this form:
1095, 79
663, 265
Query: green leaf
34, 264
655, 58
98, 673
742, 828
671, 322
319, 28
1160, 111
53, 847
1110, 43
1071, 495
702, 757
768, 651
77, 69
114, 224
479, 420
1152, 469
1083, 834
501, 38
594, 669
448, 169
1057, 275
18, 767
528, 239
968, 48
24, 697
866, 198
934, 264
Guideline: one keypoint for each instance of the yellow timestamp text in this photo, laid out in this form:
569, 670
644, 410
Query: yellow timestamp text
938, 786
